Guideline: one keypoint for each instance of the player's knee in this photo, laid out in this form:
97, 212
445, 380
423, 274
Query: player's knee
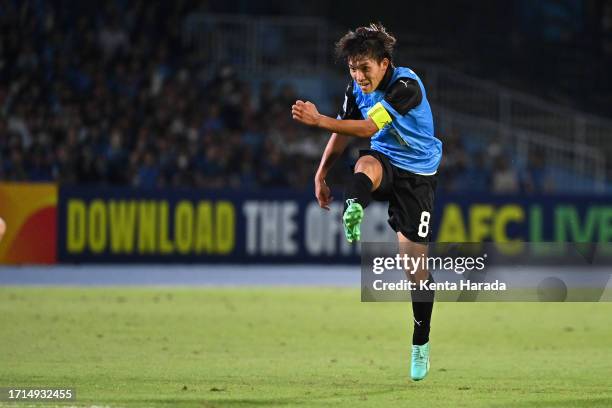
370, 167
415, 236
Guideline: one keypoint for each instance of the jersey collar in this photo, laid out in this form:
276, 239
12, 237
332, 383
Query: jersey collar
386, 79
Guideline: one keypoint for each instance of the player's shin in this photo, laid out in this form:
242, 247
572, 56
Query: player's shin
358, 190
422, 308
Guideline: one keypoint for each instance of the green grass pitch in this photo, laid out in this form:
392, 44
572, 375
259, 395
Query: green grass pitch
243, 347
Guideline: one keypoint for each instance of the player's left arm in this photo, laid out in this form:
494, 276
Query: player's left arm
307, 113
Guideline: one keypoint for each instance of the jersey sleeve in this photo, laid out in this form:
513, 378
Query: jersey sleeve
349, 109
403, 95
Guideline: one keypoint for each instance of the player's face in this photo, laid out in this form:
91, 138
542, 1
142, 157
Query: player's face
367, 72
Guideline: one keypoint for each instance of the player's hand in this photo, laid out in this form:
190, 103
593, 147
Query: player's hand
306, 113
323, 193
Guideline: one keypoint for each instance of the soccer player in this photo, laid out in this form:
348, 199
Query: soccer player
387, 104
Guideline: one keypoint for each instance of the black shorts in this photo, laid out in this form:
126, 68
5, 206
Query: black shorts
410, 197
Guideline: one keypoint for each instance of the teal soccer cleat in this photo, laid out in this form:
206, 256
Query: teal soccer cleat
420, 362
352, 220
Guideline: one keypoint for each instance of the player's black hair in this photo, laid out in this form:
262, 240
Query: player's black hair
372, 41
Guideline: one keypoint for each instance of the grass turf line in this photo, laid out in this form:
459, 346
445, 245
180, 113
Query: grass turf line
239, 347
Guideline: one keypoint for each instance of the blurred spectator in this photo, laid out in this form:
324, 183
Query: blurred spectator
454, 161
535, 178
505, 178
113, 39
148, 172
476, 176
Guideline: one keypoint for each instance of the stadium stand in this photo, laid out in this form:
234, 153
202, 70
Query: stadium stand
116, 96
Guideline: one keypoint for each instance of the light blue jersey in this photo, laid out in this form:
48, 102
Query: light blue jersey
400, 109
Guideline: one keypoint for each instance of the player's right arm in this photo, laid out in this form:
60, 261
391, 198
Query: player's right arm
349, 122
334, 149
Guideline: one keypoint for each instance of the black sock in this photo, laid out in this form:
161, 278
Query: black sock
358, 188
422, 306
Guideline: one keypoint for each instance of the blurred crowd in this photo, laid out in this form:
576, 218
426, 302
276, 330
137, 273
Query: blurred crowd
477, 167
112, 96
